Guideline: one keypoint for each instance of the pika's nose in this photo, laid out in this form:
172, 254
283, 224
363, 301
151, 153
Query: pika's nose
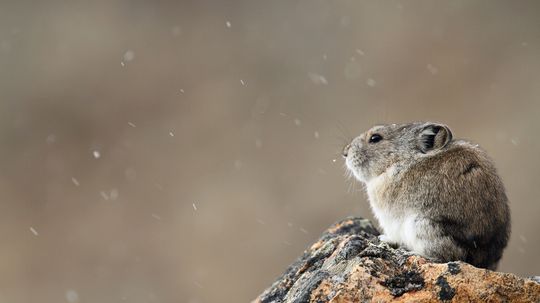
345, 151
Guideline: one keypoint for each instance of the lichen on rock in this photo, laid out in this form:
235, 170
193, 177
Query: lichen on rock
349, 264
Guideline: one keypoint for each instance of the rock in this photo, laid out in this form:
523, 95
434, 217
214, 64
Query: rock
349, 264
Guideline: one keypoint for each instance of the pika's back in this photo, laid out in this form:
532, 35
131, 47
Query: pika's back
461, 177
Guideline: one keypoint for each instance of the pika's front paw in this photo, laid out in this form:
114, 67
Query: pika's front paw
384, 238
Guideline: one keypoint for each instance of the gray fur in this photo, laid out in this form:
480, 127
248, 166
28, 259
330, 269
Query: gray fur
442, 196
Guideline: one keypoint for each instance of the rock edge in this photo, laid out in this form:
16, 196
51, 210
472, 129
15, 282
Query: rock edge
349, 264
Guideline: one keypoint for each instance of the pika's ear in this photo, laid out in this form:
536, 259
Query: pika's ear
434, 136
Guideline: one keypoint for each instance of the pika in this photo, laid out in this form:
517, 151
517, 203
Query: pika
438, 197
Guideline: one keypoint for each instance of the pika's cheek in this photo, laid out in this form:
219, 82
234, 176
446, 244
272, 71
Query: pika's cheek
355, 159
356, 167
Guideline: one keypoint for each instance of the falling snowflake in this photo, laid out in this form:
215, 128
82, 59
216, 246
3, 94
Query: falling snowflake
317, 79
72, 296
51, 139
432, 69
199, 285
129, 55
104, 195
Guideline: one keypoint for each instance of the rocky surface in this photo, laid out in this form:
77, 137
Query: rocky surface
350, 264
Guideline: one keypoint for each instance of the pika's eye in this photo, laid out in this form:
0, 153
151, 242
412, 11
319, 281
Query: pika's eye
375, 138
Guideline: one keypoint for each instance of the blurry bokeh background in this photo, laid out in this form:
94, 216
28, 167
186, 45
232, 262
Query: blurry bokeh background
187, 151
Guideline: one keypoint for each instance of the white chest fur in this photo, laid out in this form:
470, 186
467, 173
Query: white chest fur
399, 225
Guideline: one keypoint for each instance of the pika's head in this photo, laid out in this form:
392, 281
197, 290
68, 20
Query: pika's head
373, 152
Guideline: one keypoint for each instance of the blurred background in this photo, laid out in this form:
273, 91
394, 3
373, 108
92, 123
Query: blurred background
188, 151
